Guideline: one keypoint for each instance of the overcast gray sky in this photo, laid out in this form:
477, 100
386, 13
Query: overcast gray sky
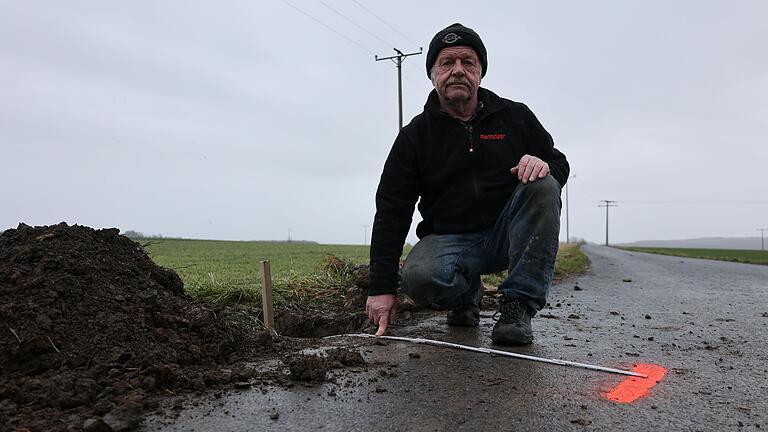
244, 119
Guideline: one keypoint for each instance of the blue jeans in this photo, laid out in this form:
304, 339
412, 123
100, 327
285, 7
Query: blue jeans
445, 269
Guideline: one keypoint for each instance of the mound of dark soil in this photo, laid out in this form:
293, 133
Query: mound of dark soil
90, 328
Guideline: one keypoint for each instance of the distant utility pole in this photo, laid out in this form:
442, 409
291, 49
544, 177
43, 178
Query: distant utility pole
607, 204
365, 235
567, 231
762, 238
398, 61
289, 235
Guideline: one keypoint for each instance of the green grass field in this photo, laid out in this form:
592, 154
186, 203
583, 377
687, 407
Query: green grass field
734, 255
229, 271
239, 262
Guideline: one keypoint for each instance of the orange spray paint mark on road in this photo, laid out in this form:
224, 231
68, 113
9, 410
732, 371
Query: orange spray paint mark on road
633, 388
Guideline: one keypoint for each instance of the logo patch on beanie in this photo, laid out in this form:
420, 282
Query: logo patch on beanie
451, 38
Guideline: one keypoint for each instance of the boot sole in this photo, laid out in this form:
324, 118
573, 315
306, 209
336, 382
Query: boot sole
512, 338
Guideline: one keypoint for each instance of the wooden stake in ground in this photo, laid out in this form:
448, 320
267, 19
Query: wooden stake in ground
266, 295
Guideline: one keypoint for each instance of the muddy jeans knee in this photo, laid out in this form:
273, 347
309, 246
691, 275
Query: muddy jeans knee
528, 232
443, 269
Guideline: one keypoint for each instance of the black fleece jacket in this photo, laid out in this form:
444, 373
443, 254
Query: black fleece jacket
460, 170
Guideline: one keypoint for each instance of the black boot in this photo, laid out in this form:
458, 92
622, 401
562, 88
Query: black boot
467, 315
513, 327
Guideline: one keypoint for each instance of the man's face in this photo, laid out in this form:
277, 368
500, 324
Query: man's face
456, 74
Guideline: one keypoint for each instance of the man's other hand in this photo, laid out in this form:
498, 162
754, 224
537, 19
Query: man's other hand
530, 168
381, 311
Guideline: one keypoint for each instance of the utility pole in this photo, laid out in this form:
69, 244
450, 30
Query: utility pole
398, 61
762, 238
567, 231
607, 204
365, 235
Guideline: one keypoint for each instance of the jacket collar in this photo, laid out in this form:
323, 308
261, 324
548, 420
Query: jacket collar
488, 102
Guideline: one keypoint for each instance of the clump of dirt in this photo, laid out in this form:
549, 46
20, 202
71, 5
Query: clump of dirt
90, 328
314, 368
307, 367
344, 357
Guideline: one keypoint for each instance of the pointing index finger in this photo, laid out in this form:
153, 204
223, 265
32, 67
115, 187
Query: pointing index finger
383, 321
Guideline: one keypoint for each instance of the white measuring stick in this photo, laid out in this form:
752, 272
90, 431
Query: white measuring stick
497, 352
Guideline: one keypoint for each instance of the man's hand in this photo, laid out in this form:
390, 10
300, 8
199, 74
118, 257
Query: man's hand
530, 168
381, 311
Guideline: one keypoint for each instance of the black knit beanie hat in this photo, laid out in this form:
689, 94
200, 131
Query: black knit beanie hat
456, 35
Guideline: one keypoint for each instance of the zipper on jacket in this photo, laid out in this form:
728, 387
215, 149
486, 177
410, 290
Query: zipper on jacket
471, 143
475, 187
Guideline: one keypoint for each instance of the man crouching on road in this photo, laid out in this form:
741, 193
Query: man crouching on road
488, 178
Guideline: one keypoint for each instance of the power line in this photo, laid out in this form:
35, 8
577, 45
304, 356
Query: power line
416, 85
330, 28
386, 23
354, 23
697, 202
607, 204
358, 44
398, 60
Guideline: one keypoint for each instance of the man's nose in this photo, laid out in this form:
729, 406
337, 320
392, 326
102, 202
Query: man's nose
458, 69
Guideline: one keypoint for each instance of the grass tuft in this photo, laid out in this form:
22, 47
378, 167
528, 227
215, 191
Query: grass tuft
210, 288
328, 284
570, 261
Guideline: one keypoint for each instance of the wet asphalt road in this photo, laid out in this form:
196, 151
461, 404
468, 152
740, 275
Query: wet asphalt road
704, 321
